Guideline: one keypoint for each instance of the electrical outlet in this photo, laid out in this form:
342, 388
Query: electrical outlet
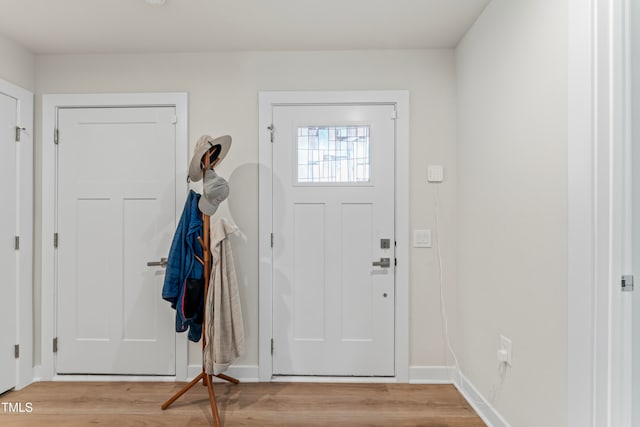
504, 352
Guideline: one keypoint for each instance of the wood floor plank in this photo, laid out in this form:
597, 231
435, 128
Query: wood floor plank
246, 404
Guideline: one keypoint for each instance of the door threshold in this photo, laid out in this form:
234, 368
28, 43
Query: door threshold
330, 379
112, 378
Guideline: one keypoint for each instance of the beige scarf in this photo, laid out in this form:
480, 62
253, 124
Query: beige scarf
224, 326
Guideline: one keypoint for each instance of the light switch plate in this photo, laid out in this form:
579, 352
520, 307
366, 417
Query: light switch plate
421, 238
435, 173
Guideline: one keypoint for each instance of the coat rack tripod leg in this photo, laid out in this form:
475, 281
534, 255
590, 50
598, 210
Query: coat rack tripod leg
207, 380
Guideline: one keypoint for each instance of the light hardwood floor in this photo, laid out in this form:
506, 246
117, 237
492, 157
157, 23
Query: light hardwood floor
247, 404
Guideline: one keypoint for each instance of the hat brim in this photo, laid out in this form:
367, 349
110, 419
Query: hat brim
205, 143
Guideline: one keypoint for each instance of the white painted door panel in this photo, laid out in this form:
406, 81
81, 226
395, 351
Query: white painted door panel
8, 256
116, 212
333, 310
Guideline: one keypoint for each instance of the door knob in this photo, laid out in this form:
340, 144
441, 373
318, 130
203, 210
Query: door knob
161, 263
384, 263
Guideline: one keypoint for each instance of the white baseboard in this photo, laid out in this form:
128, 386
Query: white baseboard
432, 374
244, 373
479, 403
37, 373
450, 375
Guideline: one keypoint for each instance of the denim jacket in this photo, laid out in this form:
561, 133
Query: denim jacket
183, 270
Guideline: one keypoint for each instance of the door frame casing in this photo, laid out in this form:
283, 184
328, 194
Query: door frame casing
622, 229
597, 358
50, 106
24, 295
269, 99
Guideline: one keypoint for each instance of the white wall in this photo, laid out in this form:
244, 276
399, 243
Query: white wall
512, 207
223, 90
17, 64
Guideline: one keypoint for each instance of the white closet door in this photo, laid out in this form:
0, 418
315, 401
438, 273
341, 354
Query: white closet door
8, 231
116, 212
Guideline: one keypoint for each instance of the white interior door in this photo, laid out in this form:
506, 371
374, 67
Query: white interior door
116, 212
8, 231
333, 210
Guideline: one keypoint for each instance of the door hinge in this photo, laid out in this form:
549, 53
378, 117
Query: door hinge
272, 346
16, 243
395, 262
271, 131
174, 120
55, 240
627, 283
18, 130
55, 345
16, 351
55, 136
394, 114
272, 240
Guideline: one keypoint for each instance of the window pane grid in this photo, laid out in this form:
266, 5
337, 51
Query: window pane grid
333, 154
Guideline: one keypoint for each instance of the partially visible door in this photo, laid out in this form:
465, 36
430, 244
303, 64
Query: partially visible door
333, 218
116, 212
8, 257
635, 209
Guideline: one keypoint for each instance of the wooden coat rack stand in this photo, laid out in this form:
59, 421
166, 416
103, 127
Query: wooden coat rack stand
206, 252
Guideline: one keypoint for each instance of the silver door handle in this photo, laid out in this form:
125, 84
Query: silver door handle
161, 263
384, 263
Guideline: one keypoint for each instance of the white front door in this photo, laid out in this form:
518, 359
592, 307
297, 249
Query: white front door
116, 212
333, 217
8, 257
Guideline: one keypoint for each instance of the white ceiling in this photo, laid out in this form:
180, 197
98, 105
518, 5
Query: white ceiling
132, 26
